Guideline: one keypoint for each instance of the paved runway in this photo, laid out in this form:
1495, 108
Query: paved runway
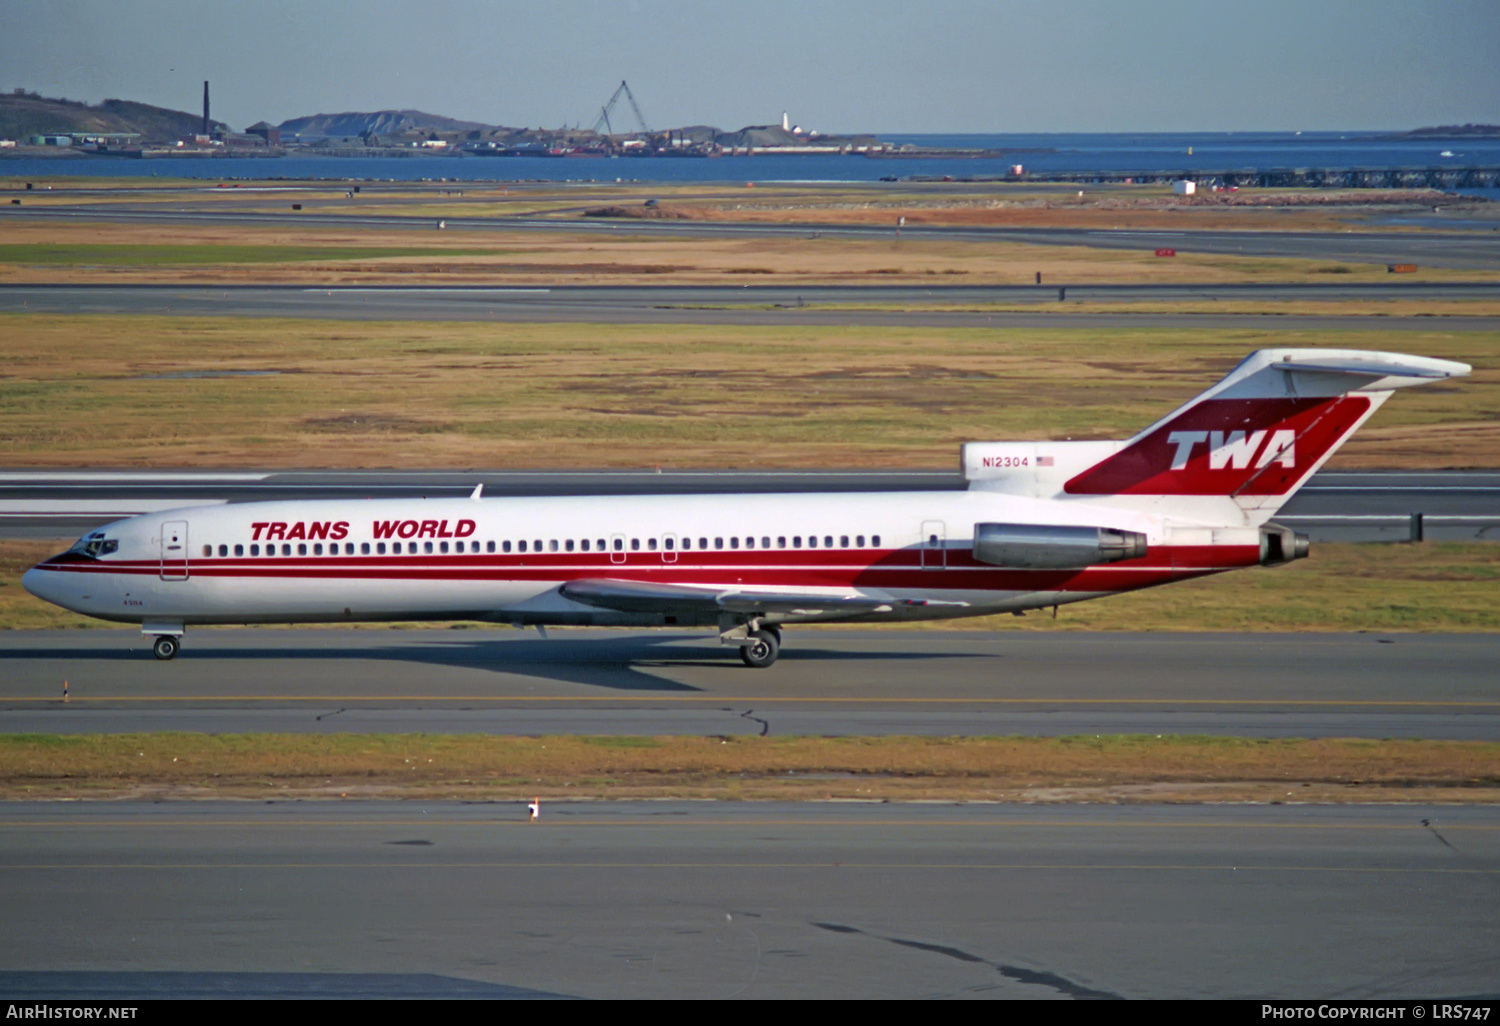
827, 682
1333, 506
713, 900
1431, 248
763, 305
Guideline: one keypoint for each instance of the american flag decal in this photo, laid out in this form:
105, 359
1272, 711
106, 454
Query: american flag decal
1044, 461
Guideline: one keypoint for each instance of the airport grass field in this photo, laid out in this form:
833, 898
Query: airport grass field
500, 769
164, 391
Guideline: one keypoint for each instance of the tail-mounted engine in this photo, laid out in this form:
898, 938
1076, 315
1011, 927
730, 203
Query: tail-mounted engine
1280, 545
1038, 546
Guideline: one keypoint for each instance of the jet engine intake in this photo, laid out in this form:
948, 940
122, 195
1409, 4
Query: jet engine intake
1047, 547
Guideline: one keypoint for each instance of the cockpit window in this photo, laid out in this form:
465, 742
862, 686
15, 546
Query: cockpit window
95, 545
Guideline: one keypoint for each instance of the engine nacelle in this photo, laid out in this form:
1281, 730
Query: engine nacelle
1280, 545
1038, 546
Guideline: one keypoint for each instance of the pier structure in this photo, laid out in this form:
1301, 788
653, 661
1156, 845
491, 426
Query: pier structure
1444, 177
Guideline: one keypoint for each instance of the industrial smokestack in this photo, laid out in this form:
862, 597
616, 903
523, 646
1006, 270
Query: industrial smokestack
205, 108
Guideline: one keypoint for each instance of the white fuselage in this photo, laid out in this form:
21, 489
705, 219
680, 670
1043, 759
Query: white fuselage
506, 559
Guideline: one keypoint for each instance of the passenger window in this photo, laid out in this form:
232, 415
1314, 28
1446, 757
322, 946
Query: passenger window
619, 544
666, 543
703, 543
521, 546
828, 541
364, 548
223, 550
602, 546
875, 540
812, 541
239, 550
255, 550
651, 544
584, 544
505, 546
797, 541
536, 546
380, 548
301, 548
765, 543
687, 543
718, 543
843, 541
781, 541
859, 541
635, 545
489, 546
552, 545
427, 546
208, 550
286, 550
318, 549
443, 547
734, 543
569, 545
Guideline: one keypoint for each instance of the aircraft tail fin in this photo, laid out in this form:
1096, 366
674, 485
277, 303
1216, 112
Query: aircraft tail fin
1264, 429
1253, 438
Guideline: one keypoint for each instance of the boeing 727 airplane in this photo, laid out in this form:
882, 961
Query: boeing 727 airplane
1041, 524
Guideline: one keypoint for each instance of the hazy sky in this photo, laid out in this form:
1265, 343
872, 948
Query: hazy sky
887, 66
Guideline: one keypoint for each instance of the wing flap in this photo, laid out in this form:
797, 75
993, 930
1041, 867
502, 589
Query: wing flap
642, 597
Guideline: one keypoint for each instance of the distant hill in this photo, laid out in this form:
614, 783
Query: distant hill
1453, 132
381, 122
26, 114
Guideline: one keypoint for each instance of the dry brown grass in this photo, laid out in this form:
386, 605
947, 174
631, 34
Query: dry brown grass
1142, 208
89, 390
526, 257
899, 768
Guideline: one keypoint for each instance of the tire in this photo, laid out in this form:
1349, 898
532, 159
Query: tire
761, 649
166, 647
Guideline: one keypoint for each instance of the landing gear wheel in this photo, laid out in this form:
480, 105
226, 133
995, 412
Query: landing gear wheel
166, 647
762, 648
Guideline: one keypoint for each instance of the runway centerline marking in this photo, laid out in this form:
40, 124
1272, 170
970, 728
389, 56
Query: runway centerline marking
719, 866
798, 699
682, 823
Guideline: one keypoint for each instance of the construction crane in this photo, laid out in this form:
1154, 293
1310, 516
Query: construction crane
603, 121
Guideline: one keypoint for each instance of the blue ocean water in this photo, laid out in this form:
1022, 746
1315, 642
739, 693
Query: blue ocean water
1123, 152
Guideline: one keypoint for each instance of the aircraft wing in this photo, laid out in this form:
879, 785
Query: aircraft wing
641, 597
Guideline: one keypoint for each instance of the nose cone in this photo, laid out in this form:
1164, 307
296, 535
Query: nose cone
44, 584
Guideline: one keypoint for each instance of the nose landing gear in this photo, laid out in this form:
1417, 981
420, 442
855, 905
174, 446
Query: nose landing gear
168, 634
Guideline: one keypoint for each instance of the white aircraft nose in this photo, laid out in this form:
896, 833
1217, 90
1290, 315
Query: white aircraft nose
44, 584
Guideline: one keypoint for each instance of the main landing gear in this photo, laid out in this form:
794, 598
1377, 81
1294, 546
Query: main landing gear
166, 647
761, 647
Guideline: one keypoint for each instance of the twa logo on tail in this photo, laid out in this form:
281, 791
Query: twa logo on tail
1234, 449
1228, 447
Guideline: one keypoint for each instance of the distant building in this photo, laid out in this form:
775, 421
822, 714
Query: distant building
1184, 187
270, 133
